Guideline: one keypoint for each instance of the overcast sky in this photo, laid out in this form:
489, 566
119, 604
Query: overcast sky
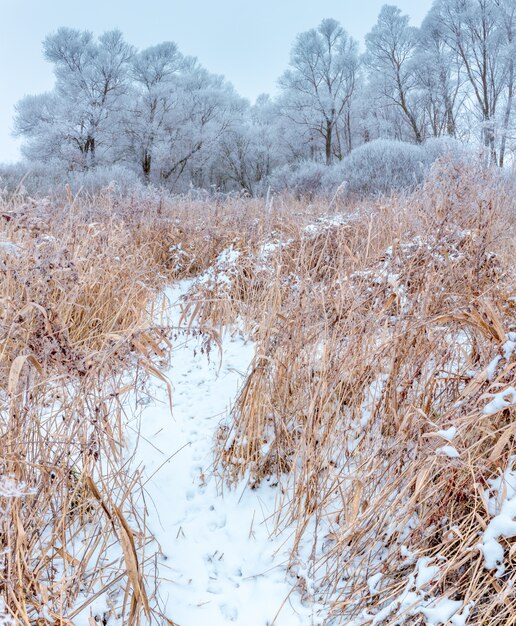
247, 41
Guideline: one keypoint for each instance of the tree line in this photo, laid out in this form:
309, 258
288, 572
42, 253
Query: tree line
163, 116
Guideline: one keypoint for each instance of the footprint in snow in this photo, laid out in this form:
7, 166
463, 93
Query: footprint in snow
229, 612
220, 522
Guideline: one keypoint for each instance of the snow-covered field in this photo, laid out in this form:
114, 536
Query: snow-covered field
219, 562
369, 403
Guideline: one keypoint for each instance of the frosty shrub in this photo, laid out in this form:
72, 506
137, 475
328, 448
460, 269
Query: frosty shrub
39, 179
380, 167
304, 179
383, 166
116, 177
436, 148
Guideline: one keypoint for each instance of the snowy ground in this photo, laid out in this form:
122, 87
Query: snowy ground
219, 563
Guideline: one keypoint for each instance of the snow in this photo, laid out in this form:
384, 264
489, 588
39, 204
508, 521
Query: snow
448, 434
448, 451
459, 619
426, 573
502, 400
12, 488
219, 561
415, 600
373, 583
328, 222
229, 256
178, 256
509, 346
10, 248
221, 273
491, 368
441, 611
267, 251
502, 504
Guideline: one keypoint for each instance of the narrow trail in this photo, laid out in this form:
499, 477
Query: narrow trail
219, 563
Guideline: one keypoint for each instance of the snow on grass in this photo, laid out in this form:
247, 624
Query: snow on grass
416, 599
219, 562
448, 451
372, 397
491, 368
222, 271
327, 222
9, 248
426, 573
448, 433
502, 400
509, 346
440, 611
501, 499
11, 488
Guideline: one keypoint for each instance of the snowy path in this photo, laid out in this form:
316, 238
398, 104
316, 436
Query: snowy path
220, 565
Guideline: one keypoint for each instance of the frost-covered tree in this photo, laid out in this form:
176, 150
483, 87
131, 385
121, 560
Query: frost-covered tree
318, 86
440, 77
156, 111
481, 33
91, 80
391, 60
206, 106
154, 94
47, 127
251, 150
174, 116
507, 24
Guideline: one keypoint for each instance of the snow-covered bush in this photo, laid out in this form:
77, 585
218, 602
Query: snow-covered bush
304, 179
12, 176
436, 148
116, 177
49, 178
375, 168
383, 166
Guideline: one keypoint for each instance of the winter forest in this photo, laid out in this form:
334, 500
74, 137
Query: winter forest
409, 96
258, 360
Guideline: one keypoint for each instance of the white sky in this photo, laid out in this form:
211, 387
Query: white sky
248, 42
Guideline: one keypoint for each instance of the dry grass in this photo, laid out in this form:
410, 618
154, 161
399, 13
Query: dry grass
82, 324
77, 293
374, 325
375, 331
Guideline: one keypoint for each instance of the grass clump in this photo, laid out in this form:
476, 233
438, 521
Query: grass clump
383, 332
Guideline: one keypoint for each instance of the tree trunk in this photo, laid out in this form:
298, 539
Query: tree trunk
349, 146
507, 114
450, 117
489, 139
89, 152
92, 151
328, 139
146, 164
408, 113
